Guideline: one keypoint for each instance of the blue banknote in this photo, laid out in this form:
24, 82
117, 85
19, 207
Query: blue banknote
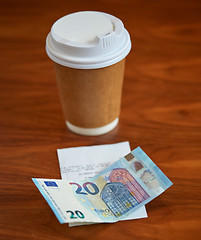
114, 193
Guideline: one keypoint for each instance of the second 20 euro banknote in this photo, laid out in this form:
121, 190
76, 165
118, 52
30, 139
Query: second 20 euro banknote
111, 195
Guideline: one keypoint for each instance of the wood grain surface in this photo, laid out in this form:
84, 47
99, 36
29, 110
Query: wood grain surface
161, 112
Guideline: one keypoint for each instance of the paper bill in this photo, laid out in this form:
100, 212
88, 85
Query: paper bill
111, 195
80, 163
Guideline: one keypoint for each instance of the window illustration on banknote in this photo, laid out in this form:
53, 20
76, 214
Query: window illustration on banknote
122, 192
118, 198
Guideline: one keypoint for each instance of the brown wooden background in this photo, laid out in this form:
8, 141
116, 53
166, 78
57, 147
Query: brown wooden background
161, 112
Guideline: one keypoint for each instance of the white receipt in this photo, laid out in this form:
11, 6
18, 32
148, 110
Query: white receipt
79, 163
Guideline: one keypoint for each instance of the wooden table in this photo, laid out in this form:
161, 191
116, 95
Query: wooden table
161, 112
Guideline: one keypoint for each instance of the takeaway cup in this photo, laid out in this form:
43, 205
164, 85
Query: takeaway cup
88, 50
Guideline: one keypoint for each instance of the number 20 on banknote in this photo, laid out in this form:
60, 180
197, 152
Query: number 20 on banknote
89, 187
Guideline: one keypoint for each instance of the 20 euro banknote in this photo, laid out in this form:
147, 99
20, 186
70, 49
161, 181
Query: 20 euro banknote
111, 195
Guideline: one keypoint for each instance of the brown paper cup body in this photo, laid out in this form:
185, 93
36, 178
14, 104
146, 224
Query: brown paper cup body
90, 98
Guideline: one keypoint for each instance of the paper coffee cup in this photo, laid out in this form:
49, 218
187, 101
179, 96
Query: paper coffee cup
88, 50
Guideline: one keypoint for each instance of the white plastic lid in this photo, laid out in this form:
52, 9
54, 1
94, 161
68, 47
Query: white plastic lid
88, 40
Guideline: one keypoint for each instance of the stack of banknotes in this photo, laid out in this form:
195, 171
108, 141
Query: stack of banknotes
110, 196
